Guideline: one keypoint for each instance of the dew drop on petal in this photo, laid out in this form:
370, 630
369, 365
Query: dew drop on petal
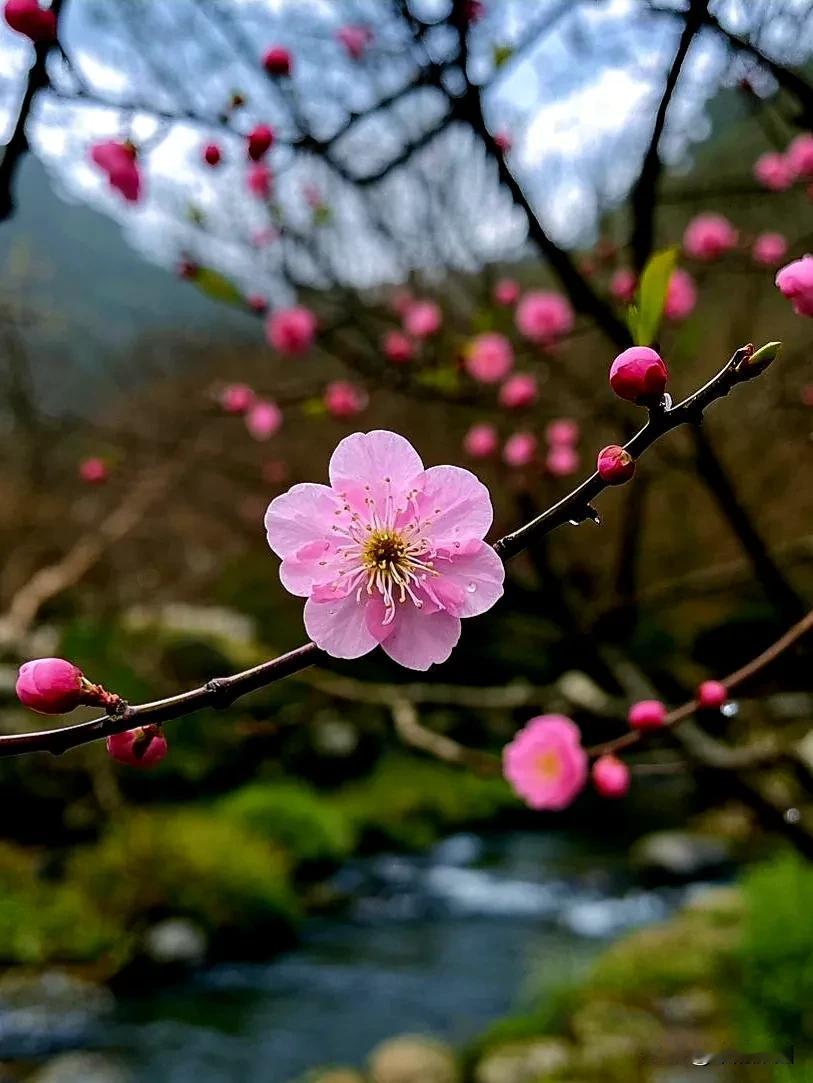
471, 588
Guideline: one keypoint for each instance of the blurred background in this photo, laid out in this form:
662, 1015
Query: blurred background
310, 886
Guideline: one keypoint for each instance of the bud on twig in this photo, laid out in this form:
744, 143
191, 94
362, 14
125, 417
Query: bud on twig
756, 361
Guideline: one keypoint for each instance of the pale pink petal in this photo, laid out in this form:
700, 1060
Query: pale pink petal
419, 640
365, 457
313, 564
455, 503
479, 577
306, 513
375, 613
339, 627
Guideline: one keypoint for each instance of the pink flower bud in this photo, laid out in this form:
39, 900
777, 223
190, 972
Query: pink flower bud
355, 40
277, 61
291, 330
543, 317
647, 714
344, 399
93, 471
51, 685
681, 296
257, 303
773, 171
258, 141
519, 449
236, 398
795, 281
623, 285
562, 461
398, 347
489, 358
212, 154
709, 236
769, 249
473, 10
263, 419
118, 161
422, 319
144, 746
259, 180
799, 156
28, 18
481, 441
503, 142
563, 432
518, 391
187, 269
639, 375
615, 465
506, 292
711, 695
611, 776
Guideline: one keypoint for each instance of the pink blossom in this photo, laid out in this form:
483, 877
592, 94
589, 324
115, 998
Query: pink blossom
93, 471
389, 553
277, 61
258, 141
681, 295
142, 747
263, 419
615, 465
562, 461
506, 292
545, 763
212, 154
422, 318
799, 156
795, 281
708, 236
237, 398
564, 431
344, 399
489, 357
769, 249
118, 161
647, 714
355, 40
543, 316
773, 171
520, 449
481, 441
51, 685
259, 180
623, 285
711, 695
638, 375
398, 347
503, 142
291, 330
518, 391
28, 18
611, 776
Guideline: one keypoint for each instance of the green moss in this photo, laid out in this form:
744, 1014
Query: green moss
159, 863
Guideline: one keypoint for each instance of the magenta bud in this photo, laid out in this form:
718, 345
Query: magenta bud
611, 776
277, 61
51, 685
647, 714
639, 375
615, 465
28, 18
711, 695
212, 154
144, 746
258, 141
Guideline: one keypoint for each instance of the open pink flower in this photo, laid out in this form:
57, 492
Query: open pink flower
520, 449
623, 285
681, 295
489, 357
481, 441
118, 161
518, 391
543, 316
389, 553
343, 399
769, 249
795, 281
799, 156
355, 40
773, 171
422, 319
263, 419
398, 347
506, 292
291, 330
545, 763
708, 236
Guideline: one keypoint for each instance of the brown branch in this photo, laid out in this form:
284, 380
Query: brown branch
411, 732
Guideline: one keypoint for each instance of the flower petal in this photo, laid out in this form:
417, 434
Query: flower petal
456, 503
314, 564
339, 627
384, 461
478, 574
304, 514
419, 640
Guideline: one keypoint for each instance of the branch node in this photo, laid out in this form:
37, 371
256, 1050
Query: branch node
219, 688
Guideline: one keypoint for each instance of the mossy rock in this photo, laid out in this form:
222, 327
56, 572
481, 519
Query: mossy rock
411, 1059
525, 1062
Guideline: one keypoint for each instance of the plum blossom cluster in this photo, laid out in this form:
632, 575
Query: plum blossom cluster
780, 170
263, 417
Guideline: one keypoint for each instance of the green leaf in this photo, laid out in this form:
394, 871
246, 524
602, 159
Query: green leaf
652, 295
215, 285
502, 54
444, 379
313, 408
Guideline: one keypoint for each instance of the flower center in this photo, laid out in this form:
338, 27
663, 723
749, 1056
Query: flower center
548, 766
384, 550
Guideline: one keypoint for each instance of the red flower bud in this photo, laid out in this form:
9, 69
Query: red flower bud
611, 776
27, 17
639, 375
615, 465
712, 695
211, 154
647, 714
277, 61
142, 747
259, 140
51, 685
187, 269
